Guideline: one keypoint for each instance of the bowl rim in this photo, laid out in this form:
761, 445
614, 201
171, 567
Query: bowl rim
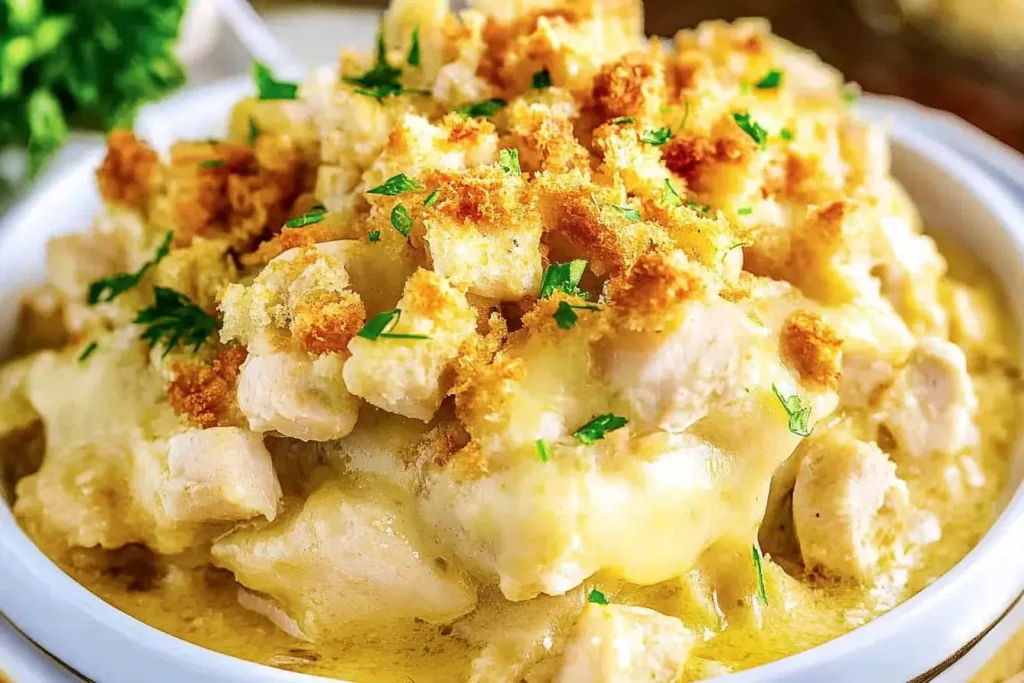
32, 579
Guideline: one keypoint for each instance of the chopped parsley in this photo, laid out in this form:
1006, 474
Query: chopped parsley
564, 277
211, 163
628, 212
486, 108
396, 185
771, 80
543, 451
596, 429
380, 326
254, 132
565, 315
751, 128
705, 208
268, 88
432, 197
744, 88
382, 80
414, 49
373, 236
760, 574
400, 220
656, 137
622, 120
786, 134
745, 211
686, 113
508, 159
108, 288
597, 597
173, 318
314, 215
851, 93
88, 351
669, 194
798, 413
542, 79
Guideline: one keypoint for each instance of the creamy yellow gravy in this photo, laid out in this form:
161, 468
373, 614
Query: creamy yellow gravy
198, 603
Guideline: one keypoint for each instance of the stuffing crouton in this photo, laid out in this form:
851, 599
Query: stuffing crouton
205, 394
129, 171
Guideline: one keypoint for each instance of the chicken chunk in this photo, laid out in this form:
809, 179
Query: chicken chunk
930, 407
409, 376
622, 644
223, 473
352, 556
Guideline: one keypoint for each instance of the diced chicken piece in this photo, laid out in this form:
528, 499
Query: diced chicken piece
16, 411
223, 473
409, 376
975, 319
930, 407
849, 506
624, 644
289, 393
352, 557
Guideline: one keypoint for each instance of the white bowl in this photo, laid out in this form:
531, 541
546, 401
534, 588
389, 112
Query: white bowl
954, 196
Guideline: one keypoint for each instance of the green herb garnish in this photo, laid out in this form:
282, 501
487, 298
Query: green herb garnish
254, 132
396, 185
542, 79
108, 288
656, 137
174, 318
88, 351
382, 80
786, 134
686, 113
597, 597
314, 215
211, 163
596, 429
400, 220
798, 413
486, 108
628, 212
745, 211
543, 452
432, 197
760, 574
373, 236
565, 315
269, 88
379, 326
705, 208
508, 159
669, 194
771, 80
851, 93
414, 49
564, 277
622, 120
751, 128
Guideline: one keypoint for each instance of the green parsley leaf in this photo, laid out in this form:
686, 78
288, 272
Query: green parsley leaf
542, 79
400, 220
432, 197
745, 211
597, 597
108, 288
744, 88
697, 207
562, 276
379, 326
254, 132
211, 163
798, 413
771, 80
173, 318
686, 113
656, 137
622, 120
414, 49
760, 575
596, 429
486, 108
396, 185
508, 159
542, 450
382, 80
669, 194
314, 215
565, 314
268, 88
628, 212
851, 93
751, 128
786, 134
373, 236
88, 351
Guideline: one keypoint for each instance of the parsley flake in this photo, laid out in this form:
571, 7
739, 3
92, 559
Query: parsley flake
751, 128
771, 80
373, 236
380, 326
88, 351
596, 429
623, 120
628, 212
508, 159
686, 113
597, 597
786, 134
564, 277
414, 49
798, 413
486, 108
211, 163
432, 197
396, 185
565, 315
760, 575
851, 93
656, 137
542, 79
543, 451
173, 318
109, 288
254, 132
268, 88
698, 207
744, 88
400, 220
745, 211
382, 80
669, 194
311, 217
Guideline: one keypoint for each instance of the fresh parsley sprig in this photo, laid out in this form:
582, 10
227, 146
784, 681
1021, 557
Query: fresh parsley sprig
383, 80
770, 81
760, 574
799, 414
311, 217
751, 128
414, 48
396, 185
380, 326
109, 288
597, 428
401, 220
543, 450
88, 350
597, 597
482, 109
564, 277
173, 318
565, 315
508, 159
268, 87
432, 197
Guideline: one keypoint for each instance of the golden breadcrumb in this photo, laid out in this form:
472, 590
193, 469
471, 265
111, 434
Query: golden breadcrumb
128, 172
205, 394
811, 347
326, 323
